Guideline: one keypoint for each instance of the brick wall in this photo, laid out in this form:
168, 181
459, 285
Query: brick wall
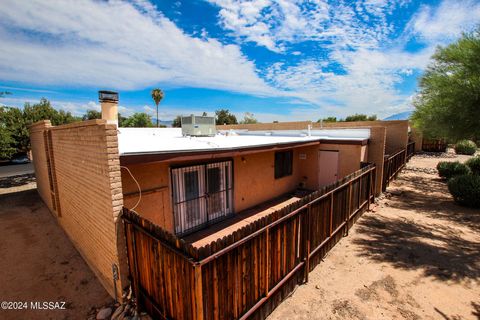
89, 189
39, 153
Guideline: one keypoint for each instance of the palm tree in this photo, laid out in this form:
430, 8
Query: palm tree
157, 96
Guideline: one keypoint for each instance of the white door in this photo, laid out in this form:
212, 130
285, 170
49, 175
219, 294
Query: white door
327, 167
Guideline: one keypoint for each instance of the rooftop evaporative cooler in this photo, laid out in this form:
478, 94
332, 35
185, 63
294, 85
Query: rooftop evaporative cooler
198, 126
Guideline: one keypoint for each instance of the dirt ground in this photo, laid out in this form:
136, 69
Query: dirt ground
38, 263
417, 256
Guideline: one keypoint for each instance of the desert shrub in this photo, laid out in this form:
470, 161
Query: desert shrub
465, 147
448, 169
474, 165
465, 190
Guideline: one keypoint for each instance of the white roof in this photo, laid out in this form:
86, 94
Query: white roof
169, 140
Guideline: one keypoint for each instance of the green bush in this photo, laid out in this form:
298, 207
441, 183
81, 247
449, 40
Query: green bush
448, 169
465, 190
474, 165
465, 147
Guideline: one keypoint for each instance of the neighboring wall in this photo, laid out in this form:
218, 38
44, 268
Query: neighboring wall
376, 153
88, 181
417, 137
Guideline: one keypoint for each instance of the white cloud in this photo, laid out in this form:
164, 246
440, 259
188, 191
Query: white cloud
367, 86
445, 22
131, 45
114, 45
276, 24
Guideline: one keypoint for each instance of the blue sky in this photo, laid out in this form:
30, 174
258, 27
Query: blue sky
280, 60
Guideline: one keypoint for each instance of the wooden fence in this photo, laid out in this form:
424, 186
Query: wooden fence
434, 145
248, 273
392, 165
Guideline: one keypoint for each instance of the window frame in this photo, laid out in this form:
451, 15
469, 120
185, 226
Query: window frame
283, 164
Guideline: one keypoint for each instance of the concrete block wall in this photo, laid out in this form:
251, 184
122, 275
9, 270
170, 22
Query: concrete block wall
89, 188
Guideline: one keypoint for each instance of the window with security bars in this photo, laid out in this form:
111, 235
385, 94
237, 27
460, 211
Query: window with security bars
283, 163
202, 194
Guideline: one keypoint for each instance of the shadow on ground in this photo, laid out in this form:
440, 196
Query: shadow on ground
475, 312
27, 198
17, 181
415, 197
438, 251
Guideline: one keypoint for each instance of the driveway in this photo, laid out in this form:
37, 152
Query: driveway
15, 170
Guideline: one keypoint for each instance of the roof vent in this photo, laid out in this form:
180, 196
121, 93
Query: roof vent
198, 126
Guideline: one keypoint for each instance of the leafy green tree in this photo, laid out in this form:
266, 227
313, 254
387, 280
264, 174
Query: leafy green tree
92, 114
6, 140
157, 96
223, 116
360, 117
177, 122
16, 121
121, 119
248, 118
447, 105
138, 120
328, 119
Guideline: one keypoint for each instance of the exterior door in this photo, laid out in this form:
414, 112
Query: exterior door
189, 195
201, 195
218, 190
327, 167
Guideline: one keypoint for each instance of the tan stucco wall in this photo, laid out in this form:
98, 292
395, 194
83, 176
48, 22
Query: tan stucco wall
376, 152
397, 137
89, 189
417, 137
154, 181
254, 181
349, 157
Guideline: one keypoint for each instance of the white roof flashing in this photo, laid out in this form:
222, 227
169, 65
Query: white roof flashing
170, 140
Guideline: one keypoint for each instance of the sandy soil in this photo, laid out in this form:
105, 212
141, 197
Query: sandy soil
39, 263
417, 256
